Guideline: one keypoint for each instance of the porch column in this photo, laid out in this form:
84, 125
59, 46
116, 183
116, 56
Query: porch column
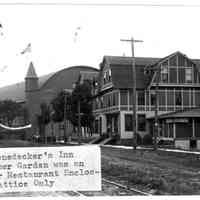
104, 124
193, 128
174, 130
113, 124
119, 124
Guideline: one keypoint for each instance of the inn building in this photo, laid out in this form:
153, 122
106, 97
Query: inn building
178, 98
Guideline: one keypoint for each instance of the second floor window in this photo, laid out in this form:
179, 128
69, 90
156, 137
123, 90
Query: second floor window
153, 99
188, 75
178, 98
141, 98
164, 74
124, 97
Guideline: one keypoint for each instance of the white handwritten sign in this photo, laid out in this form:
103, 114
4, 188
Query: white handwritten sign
76, 168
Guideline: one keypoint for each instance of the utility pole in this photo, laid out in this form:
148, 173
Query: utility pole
65, 107
132, 41
155, 132
79, 122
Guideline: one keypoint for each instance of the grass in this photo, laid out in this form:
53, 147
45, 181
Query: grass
23, 143
14, 143
160, 172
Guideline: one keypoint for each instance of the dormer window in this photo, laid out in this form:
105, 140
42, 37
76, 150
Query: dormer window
107, 76
104, 78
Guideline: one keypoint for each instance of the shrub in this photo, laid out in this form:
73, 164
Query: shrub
147, 139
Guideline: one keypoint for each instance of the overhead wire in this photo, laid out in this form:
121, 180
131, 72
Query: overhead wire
101, 4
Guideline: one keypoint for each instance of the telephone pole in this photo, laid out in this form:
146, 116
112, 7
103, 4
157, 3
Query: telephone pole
79, 122
156, 130
132, 41
65, 117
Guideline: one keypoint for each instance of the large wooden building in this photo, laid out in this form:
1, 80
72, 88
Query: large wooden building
178, 97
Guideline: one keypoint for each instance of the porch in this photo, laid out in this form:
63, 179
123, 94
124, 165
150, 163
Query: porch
182, 127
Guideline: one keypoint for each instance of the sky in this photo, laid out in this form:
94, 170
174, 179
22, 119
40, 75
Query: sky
63, 35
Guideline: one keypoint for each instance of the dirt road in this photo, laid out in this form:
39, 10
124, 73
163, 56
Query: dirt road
156, 172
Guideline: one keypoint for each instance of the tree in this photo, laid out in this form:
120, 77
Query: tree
25, 115
58, 105
61, 111
83, 94
43, 120
9, 110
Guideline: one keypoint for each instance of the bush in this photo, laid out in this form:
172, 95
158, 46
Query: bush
147, 139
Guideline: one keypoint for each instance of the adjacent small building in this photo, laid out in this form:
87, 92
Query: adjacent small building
178, 97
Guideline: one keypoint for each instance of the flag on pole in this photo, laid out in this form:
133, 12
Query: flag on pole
1, 29
27, 49
76, 33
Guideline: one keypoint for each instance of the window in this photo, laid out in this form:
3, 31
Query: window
107, 76
124, 97
161, 98
173, 61
141, 98
188, 75
153, 99
170, 98
173, 75
178, 98
197, 98
164, 74
114, 99
181, 60
186, 97
101, 102
109, 100
181, 75
128, 122
104, 78
141, 122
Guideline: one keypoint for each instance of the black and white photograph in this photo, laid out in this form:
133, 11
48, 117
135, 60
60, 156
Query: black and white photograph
99, 98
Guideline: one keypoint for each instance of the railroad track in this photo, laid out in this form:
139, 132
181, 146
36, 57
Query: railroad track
124, 190
109, 188
127, 188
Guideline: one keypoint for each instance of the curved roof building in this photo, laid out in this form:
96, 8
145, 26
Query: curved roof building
48, 84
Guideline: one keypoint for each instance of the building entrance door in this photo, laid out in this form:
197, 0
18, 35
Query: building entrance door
112, 125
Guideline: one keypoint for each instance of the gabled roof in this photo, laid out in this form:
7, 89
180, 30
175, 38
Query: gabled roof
121, 70
194, 61
122, 60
